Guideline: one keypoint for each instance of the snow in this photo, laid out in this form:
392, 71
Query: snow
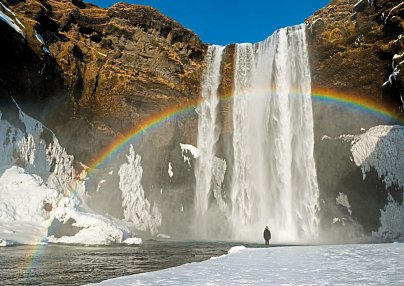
4, 243
11, 23
7, 9
310, 26
137, 208
94, 229
40, 192
392, 222
392, 10
381, 148
170, 170
372, 264
133, 241
236, 249
342, 200
219, 167
42, 41
358, 3
187, 148
165, 236
22, 200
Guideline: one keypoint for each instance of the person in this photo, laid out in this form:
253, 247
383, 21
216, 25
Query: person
267, 235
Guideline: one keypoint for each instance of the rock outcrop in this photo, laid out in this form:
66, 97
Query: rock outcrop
357, 47
99, 72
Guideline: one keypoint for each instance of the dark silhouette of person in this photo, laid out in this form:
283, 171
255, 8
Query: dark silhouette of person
267, 235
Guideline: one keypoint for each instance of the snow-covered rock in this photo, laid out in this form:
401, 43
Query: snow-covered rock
136, 207
381, 148
41, 194
91, 229
392, 222
25, 206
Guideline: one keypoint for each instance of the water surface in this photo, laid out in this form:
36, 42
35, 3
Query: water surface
78, 265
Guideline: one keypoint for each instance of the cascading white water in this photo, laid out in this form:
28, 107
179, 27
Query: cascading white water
274, 177
208, 133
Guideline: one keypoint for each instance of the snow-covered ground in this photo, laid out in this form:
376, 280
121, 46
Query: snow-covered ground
371, 264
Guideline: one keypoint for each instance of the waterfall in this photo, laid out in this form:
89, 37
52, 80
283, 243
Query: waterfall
208, 134
274, 177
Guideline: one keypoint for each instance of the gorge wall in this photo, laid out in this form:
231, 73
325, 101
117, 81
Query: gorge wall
91, 74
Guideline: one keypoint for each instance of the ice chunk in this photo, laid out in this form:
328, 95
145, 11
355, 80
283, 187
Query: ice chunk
133, 241
236, 249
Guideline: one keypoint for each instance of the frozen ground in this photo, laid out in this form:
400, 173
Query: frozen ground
370, 264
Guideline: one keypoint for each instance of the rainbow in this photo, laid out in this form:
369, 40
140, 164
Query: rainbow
361, 103
367, 104
148, 124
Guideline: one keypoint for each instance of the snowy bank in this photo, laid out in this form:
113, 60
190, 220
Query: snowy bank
372, 264
42, 197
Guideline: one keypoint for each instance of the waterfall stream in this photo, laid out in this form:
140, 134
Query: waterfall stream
208, 134
273, 172
274, 177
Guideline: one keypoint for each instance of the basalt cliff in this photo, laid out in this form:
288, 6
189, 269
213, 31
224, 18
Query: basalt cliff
91, 75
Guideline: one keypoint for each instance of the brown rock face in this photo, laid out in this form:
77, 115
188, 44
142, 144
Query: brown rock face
113, 67
352, 46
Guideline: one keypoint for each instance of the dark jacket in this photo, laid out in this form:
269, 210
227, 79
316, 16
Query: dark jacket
267, 234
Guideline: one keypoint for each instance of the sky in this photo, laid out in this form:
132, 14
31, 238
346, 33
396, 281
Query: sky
224, 22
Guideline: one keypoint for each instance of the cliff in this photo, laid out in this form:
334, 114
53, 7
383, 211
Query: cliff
92, 74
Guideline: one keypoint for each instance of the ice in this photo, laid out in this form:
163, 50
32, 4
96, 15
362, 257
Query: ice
391, 222
7, 9
94, 229
381, 148
236, 249
185, 148
357, 3
41, 195
392, 10
370, 264
23, 198
11, 23
170, 170
133, 241
137, 208
342, 200
42, 41
4, 243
